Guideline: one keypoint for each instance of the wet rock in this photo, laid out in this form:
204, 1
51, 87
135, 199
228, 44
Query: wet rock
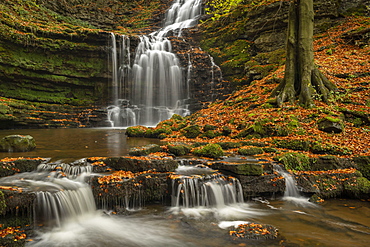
18, 202
247, 169
145, 150
267, 185
139, 165
130, 193
17, 143
9, 167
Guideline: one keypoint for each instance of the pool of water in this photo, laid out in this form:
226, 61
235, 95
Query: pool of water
73, 144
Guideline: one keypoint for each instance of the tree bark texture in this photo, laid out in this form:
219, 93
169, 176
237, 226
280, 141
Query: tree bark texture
301, 77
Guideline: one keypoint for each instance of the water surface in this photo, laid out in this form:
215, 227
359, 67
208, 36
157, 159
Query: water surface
74, 144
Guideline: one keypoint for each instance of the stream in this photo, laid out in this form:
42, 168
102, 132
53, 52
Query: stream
337, 222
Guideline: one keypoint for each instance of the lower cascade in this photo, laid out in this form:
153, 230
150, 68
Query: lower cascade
198, 186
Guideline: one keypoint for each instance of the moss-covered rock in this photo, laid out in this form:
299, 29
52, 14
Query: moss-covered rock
210, 150
330, 125
250, 151
145, 150
363, 165
17, 143
294, 161
191, 131
179, 149
246, 169
12, 166
138, 164
359, 188
136, 131
302, 145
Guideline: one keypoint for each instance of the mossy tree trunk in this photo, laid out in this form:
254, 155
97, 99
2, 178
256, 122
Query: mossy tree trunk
302, 78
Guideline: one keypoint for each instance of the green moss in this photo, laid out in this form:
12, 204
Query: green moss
294, 161
302, 145
2, 202
358, 188
210, 150
179, 149
191, 131
136, 131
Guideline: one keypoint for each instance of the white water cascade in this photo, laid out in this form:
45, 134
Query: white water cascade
195, 186
153, 88
292, 192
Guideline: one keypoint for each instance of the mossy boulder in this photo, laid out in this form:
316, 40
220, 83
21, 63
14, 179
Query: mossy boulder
330, 125
250, 151
302, 145
136, 131
134, 164
210, 150
191, 131
17, 143
246, 169
359, 188
363, 165
294, 161
145, 150
179, 149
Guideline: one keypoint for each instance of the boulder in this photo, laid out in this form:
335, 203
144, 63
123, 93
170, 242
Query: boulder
330, 125
145, 150
17, 143
247, 169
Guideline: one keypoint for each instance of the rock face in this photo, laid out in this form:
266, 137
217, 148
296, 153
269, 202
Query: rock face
17, 143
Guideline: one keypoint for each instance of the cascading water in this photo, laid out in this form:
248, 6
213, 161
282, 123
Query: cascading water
199, 191
204, 188
153, 88
292, 192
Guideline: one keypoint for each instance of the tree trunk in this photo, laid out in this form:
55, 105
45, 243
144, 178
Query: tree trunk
301, 78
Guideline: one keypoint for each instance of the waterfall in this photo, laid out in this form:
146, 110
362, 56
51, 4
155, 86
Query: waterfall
292, 192
291, 189
153, 88
204, 188
67, 200
72, 170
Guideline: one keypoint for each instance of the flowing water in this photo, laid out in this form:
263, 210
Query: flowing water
154, 87
205, 206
